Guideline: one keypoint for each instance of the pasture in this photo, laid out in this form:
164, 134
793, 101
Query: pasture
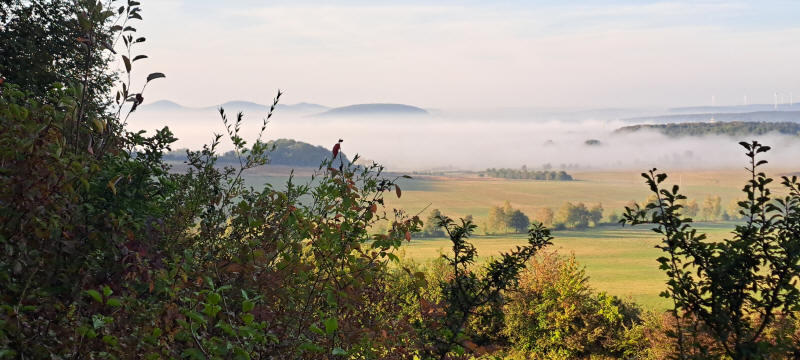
619, 260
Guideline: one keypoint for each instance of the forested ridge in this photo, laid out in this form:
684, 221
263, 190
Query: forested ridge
733, 128
107, 252
282, 152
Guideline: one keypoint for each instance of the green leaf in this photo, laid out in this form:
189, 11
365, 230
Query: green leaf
331, 325
95, 295
338, 351
196, 317
193, 353
247, 305
114, 302
315, 329
107, 291
213, 298
309, 346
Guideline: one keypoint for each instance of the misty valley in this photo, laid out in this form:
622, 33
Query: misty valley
449, 181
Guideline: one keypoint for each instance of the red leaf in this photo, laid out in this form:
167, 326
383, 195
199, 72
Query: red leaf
408, 235
398, 191
336, 149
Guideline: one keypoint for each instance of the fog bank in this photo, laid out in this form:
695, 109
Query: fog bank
480, 141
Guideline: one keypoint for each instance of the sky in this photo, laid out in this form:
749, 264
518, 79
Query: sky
473, 54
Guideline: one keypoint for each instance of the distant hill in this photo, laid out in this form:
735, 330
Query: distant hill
298, 153
287, 152
756, 116
248, 107
736, 128
251, 107
303, 107
374, 110
162, 105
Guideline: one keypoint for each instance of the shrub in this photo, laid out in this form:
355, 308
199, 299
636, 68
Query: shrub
730, 291
467, 296
553, 314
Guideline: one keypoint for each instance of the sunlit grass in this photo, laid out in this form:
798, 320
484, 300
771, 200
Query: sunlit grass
620, 261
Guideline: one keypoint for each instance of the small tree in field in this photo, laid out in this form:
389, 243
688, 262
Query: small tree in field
519, 221
442, 328
733, 290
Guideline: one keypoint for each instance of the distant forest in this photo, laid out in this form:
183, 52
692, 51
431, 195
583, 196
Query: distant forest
286, 152
524, 173
736, 128
755, 116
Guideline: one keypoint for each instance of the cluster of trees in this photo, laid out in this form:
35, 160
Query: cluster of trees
524, 173
578, 216
505, 219
733, 128
106, 253
282, 152
711, 208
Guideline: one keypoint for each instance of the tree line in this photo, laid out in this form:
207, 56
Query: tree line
733, 128
524, 173
282, 152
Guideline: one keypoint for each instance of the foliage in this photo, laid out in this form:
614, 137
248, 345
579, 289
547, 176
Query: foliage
105, 253
282, 152
519, 221
554, 314
733, 128
431, 229
712, 208
524, 173
578, 216
505, 218
730, 291
38, 47
442, 328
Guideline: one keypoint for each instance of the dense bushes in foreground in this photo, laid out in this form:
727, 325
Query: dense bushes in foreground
106, 253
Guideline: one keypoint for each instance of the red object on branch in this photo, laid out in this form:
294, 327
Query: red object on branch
336, 148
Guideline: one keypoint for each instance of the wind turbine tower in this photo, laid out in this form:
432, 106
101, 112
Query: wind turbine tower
776, 101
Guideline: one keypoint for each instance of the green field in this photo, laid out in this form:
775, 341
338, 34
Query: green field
621, 261
473, 196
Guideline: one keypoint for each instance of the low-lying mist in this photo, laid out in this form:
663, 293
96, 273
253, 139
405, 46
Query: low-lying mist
476, 142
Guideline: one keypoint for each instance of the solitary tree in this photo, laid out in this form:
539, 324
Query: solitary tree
519, 221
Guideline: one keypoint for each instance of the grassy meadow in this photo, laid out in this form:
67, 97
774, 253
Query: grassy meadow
619, 260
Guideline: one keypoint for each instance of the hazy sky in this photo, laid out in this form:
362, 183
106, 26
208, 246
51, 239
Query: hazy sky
473, 54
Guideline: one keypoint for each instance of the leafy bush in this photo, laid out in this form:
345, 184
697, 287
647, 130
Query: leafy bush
732, 291
553, 314
106, 253
468, 303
